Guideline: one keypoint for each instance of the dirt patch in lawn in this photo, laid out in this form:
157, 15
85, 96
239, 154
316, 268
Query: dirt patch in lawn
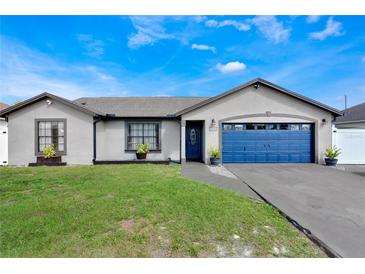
127, 225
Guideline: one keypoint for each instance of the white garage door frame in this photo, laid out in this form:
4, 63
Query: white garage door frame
352, 145
3, 143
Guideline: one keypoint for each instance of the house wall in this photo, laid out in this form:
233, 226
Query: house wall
360, 125
21, 127
110, 141
259, 105
3, 142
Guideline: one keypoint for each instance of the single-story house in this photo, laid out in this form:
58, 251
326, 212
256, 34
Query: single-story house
257, 122
349, 135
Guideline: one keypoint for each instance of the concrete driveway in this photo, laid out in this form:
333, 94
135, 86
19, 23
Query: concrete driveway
329, 202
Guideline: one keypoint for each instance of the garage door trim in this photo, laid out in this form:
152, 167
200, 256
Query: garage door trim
268, 142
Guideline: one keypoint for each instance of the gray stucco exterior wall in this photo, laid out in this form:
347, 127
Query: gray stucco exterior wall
110, 141
264, 104
79, 130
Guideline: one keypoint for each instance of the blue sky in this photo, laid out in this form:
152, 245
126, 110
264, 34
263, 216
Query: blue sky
73, 56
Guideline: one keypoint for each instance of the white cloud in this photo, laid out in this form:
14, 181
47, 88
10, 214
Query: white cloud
200, 18
231, 67
312, 19
234, 23
272, 29
25, 72
93, 47
203, 47
333, 28
150, 29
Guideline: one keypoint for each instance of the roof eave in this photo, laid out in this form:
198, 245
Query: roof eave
267, 83
43, 95
348, 122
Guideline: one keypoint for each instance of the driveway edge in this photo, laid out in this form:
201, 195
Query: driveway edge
328, 250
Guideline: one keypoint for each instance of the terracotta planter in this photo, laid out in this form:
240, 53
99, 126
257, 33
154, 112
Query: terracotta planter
52, 160
330, 162
141, 156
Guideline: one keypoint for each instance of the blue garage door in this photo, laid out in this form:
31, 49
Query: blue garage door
267, 143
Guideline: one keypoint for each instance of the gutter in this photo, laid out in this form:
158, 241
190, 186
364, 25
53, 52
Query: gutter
349, 122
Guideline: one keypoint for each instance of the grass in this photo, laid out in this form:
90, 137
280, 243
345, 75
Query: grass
135, 211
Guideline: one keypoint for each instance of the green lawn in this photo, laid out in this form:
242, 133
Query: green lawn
135, 211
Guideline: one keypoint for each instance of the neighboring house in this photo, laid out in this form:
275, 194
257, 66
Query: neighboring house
349, 135
256, 122
3, 138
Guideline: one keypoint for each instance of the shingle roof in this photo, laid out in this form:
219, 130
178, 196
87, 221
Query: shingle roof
45, 95
139, 106
259, 81
353, 114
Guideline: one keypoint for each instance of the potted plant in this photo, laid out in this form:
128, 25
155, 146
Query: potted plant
49, 156
142, 150
331, 155
214, 156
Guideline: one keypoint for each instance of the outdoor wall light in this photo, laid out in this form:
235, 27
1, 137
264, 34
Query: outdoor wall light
213, 123
324, 121
256, 86
49, 102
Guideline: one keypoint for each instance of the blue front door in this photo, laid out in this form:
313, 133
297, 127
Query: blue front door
193, 142
267, 143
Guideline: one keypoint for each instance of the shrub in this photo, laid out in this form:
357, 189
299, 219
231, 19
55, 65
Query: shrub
332, 152
214, 152
49, 151
142, 148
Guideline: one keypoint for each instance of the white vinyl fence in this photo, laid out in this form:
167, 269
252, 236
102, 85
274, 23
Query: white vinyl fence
352, 145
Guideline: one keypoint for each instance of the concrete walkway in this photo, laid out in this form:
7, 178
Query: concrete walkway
355, 169
328, 202
216, 176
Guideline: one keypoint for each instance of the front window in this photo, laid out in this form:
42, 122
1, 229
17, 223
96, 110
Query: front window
143, 133
51, 132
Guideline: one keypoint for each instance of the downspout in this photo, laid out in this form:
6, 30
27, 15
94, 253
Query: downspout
96, 120
180, 140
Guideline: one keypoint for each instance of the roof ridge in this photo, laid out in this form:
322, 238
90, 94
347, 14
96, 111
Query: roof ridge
153, 96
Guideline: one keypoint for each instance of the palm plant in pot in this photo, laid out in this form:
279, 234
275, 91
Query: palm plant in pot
331, 154
142, 150
214, 156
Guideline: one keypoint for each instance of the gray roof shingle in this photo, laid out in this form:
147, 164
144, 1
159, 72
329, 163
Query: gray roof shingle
353, 114
139, 106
